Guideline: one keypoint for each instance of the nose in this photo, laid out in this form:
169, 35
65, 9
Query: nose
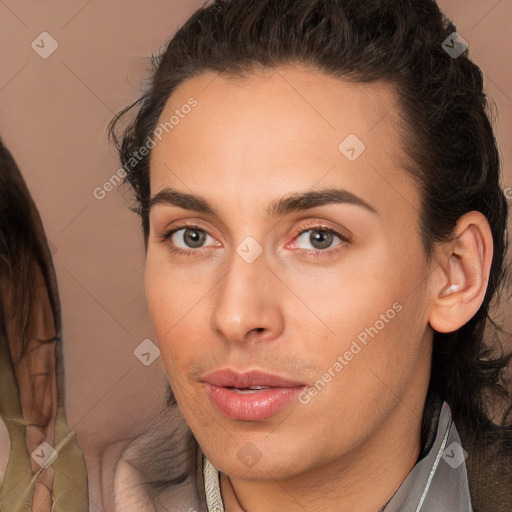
247, 305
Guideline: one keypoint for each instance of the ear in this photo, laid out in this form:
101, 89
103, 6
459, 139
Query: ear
462, 273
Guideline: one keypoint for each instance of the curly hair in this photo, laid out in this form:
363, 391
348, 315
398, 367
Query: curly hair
447, 134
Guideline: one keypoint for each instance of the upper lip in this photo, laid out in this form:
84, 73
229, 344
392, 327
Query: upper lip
231, 378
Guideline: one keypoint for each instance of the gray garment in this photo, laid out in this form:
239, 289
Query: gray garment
437, 483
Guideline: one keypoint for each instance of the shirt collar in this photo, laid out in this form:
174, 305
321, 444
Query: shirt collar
439, 479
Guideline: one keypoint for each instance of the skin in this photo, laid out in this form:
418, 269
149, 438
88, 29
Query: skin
247, 143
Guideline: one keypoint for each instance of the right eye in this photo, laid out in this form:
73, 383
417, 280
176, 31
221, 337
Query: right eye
187, 239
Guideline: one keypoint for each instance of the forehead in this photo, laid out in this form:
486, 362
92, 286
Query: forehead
285, 128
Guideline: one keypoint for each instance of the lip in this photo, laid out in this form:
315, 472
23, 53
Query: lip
254, 405
231, 378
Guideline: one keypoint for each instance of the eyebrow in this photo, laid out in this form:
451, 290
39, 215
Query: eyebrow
280, 207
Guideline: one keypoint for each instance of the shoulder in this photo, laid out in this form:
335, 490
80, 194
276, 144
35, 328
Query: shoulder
160, 468
489, 467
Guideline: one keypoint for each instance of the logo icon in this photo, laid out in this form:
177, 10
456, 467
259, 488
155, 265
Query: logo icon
146, 352
455, 455
249, 455
249, 249
44, 454
352, 147
44, 45
455, 45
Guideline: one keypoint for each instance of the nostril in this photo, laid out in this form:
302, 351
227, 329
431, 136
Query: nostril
257, 329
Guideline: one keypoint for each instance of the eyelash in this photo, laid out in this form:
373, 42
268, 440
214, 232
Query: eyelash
165, 238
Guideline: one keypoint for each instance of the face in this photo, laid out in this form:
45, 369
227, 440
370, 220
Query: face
296, 267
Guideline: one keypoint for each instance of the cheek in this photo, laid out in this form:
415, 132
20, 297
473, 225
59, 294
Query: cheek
373, 314
345, 300
178, 304
172, 302
379, 339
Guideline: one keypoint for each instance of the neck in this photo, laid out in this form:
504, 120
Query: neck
362, 480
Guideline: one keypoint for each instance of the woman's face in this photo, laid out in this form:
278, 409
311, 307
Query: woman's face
329, 293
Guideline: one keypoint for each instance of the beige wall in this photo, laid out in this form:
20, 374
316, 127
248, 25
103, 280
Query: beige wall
54, 113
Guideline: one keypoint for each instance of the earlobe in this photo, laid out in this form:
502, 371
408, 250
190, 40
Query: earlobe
464, 273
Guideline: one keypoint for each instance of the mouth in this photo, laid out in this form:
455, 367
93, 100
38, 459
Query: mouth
249, 390
250, 396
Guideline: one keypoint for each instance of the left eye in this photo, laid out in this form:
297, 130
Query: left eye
320, 239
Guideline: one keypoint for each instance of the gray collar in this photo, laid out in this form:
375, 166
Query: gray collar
437, 482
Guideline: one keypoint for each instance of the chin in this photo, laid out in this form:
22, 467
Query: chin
259, 460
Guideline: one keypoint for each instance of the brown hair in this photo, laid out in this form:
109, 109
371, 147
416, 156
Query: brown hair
25, 259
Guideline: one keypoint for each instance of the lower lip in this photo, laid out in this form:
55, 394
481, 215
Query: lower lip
254, 406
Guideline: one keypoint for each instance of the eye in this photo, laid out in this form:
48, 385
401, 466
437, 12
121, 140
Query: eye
187, 240
190, 240
191, 237
320, 240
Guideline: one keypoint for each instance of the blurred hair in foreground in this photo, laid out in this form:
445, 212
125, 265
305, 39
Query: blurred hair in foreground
31, 373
